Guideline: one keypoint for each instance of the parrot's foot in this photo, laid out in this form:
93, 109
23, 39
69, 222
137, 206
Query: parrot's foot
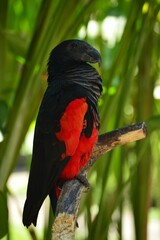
83, 179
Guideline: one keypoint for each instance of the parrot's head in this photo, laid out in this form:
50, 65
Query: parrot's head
73, 51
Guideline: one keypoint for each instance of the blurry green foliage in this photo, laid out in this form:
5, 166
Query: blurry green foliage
4, 215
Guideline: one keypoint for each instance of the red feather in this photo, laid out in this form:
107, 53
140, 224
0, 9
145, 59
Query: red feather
78, 146
71, 124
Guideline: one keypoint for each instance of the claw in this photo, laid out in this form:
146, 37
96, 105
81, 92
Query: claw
82, 178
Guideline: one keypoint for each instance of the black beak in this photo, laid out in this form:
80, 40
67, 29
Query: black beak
91, 55
95, 56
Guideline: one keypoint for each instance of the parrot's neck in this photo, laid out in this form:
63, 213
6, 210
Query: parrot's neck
81, 74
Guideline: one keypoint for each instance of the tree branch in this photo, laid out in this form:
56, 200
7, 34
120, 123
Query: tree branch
68, 203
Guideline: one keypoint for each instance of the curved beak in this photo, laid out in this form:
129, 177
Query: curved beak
95, 56
91, 55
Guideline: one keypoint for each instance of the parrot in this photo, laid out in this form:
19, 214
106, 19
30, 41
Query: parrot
67, 124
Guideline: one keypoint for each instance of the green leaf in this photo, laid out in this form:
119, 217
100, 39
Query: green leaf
3, 215
153, 123
3, 113
16, 43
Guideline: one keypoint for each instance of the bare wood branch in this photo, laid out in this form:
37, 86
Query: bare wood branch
68, 203
121, 136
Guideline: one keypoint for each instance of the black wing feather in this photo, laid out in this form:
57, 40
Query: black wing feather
46, 163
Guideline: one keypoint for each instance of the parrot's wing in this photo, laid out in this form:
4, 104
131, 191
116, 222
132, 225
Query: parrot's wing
58, 129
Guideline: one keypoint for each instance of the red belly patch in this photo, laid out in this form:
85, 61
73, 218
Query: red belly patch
78, 146
71, 124
80, 157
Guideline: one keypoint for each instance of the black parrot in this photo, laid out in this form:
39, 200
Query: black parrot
67, 124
